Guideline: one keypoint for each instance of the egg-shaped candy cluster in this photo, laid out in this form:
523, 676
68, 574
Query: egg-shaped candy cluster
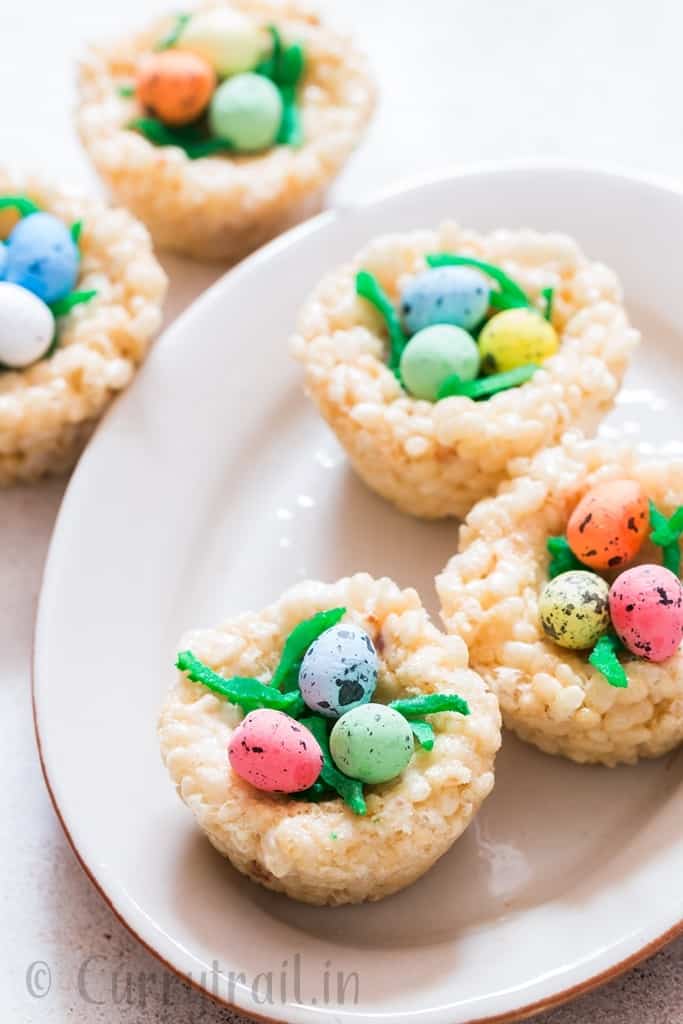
219, 77
369, 743
39, 267
313, 730
452, 327
643, 605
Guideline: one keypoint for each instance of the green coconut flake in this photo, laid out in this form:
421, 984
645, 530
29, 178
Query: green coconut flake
285, 67
562, 558
315, 793
247, 693
369, 288
269, 67
189, 138
63, 306
290, 132
549, 299
430, 704
126, 90
423, 733
510, 295
603, 657
173, 35
292, 66
22, 204
485, 387
286, 675
350, 790
666, 534
76, 231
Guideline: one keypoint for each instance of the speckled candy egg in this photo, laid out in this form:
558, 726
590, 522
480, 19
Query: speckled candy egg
175, 86
609, 525
574, 609
646, 605
274, 752
516, 337
372, 743
42, 256
246, 110
445, 295
434, 354
339, 670
27, 326
229, 40
3, 260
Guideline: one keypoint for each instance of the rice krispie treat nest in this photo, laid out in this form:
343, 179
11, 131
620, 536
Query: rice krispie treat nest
550, 696
322, 852
436, 459
49, 409
223, 206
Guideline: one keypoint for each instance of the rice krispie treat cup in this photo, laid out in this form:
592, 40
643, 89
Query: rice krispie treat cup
586, 664
323, 790
430, 399
223, 127
80, 300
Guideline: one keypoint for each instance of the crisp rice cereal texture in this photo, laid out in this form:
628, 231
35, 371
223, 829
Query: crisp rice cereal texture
438, 459
49, 409
490, 590
321, 852
222, 207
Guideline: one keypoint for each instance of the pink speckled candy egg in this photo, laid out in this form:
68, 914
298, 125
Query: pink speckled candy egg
274, 752
646, 606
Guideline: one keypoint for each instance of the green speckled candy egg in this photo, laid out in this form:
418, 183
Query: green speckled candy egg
372, 743
434, 354
246, 110
574, 609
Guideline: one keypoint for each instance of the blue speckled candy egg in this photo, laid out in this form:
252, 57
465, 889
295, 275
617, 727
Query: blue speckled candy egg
42, 256
445, 295
3, 260
339, 670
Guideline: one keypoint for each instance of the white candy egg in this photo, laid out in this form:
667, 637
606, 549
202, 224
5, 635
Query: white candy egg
27, 326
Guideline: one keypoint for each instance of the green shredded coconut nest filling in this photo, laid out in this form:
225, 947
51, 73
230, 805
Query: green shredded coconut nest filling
282, 694
285, 67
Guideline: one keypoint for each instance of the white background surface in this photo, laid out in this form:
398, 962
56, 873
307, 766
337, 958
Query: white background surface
461, 82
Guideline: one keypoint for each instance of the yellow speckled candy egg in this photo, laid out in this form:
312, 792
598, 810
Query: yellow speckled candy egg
516, 337
228, 39
574, 609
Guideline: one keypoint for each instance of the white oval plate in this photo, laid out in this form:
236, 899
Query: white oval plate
210, 488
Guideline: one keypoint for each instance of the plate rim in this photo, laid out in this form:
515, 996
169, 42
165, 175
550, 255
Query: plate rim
313, 225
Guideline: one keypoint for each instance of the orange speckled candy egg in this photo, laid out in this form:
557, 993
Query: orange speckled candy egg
608, 526
176, 86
